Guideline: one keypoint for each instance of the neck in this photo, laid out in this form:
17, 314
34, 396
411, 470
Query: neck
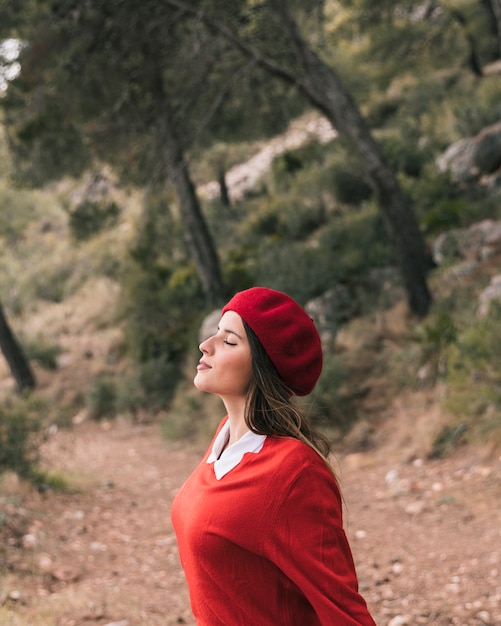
235, 411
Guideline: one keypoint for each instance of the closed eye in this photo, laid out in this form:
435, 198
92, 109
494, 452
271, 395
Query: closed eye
229, 343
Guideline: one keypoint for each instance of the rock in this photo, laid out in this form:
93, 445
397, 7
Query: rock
397, 568
330, 309
45, 563
478, 242
15, 595
29, 541
360, 534
485, 616
468, 159
64, 573
400, 620
492, 292
415, 508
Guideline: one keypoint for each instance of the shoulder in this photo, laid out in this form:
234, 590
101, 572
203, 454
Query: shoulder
293, 458
302, 482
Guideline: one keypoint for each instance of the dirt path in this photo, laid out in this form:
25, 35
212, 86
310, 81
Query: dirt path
425, 535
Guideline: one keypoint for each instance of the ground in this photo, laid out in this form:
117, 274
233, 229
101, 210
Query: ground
425, 533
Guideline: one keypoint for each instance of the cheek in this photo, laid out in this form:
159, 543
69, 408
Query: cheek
246, 375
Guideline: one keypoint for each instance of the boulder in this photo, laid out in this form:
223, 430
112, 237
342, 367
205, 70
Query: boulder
492, 292
469, 159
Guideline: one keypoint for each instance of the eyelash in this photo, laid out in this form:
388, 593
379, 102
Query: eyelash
229, 343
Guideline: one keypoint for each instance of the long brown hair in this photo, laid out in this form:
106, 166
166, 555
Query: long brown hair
270, 408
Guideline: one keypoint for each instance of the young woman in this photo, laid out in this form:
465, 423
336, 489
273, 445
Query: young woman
259, 522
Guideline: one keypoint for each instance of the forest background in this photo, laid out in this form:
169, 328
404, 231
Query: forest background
114, 114
132, 205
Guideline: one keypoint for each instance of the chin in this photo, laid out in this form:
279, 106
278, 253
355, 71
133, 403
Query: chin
198, 384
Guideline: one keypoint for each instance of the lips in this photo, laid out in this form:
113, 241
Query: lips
202, 365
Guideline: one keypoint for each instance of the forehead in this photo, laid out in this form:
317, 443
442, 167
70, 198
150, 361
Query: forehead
232, 322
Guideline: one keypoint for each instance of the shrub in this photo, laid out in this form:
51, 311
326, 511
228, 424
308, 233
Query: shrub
88, 218
350, 186
285, 167
21, 433
473, 114
474, 372
101, 398
284, 217
435, 336
148, 385
330, 408
44, 353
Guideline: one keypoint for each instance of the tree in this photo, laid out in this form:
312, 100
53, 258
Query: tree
110, 81
493, 8
197, 234
14, 355
324, 89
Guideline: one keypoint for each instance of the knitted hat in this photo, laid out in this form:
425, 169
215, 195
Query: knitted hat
286, 332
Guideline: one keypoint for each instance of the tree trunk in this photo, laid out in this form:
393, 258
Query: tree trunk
324, 89
197, 233
320, 84
223, 189
493, 8
13, 353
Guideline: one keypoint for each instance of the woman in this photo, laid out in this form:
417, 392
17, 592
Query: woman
259, 522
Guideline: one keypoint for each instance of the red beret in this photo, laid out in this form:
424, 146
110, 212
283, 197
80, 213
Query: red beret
286, 332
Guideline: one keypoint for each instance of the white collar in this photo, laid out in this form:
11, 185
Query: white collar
229, 458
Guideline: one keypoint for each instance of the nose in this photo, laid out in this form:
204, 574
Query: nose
205, 345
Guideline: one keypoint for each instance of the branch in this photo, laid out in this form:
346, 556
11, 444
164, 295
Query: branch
249, 51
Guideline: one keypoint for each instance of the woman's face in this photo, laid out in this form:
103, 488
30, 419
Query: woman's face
225, 368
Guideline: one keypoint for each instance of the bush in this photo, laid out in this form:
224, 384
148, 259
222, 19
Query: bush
435, 336
21, 433
474, 373
101, 399
89, 218
350, 186
45, 354
150, 385
331, 409
473, 114
284, 217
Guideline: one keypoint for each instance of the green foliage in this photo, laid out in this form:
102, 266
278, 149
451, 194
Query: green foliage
285, 167
17, 210
404, 153
473, 114
184, 420
284, 217
163, 302
450, 437
345, 177
21, 433
439, 332
474, 372
43, 352
88, 218
147, 386
350, 187
445, 214
101, 398
330, 407
435, 336
441, 204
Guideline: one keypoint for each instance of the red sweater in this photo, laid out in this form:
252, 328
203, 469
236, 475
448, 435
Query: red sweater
265, 546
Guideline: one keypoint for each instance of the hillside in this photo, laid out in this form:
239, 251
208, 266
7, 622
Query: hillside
423, 519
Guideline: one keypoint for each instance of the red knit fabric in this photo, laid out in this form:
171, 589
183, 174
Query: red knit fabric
264, 546
287, 333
